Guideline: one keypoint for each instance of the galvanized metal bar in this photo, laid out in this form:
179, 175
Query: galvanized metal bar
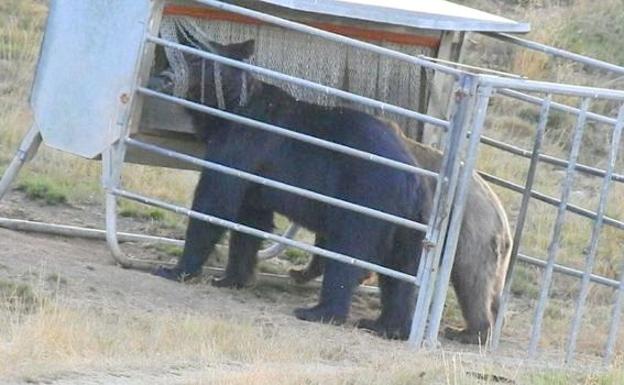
302, 82
547, 158
278, 185
288, 133
616, 317
29, 145
550, 200
278, 248
557, 106
553, 248
549, 87
593, 246
522, 213
457, 215
112, 162
471, 67
612, 283
464, 90
328, 36
265, 235
82, 232
556, 52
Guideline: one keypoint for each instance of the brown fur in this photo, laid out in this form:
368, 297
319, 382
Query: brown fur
482, 255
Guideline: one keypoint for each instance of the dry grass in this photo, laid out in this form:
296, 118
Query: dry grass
54, 338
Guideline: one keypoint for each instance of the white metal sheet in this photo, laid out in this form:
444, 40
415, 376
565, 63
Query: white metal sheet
86, 72
429, 14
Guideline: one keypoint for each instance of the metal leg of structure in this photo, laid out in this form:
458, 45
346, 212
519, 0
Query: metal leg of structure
112, 162
278, 248
26, 150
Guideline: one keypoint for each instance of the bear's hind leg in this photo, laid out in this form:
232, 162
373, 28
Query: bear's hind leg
339, 282
398, 300
474, 295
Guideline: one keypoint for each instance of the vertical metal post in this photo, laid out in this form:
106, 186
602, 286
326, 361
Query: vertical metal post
112, 161
593, 247
619, 294
524, 206
457, 214
447, 182
27, 148
553, 248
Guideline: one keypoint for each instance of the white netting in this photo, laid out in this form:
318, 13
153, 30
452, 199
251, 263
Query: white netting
308, 57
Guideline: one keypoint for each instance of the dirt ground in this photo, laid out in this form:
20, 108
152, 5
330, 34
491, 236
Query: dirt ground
82, 272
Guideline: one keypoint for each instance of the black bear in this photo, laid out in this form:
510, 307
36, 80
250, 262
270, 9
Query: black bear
307, 166
482, 256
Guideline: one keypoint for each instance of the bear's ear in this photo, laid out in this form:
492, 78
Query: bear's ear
186, 38
240, 51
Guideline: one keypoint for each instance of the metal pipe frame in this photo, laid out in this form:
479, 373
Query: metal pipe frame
612, 283
557, 52
81, 232
28, 147
265, 235
547, 158
464, 91
278, 185
557, 106
287, 133
450, 246
524, 205
277, 248
595, 235
553, 248
549, 87
329, 36
301, 82
616, 317
112, 161
550, 200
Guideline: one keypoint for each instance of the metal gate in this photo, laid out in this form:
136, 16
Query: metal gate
108, 130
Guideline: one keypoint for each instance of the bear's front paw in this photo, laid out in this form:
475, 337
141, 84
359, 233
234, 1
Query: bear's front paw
319, 313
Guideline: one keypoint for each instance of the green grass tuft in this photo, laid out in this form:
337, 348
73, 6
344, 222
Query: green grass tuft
42, 188
18, 296
295, 256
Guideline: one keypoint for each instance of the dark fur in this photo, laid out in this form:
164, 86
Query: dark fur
482, 255
313, 168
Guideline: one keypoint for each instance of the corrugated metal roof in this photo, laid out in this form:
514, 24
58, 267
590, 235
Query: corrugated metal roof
427, 14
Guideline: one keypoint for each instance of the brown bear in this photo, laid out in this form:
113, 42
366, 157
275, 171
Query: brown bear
482, 255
